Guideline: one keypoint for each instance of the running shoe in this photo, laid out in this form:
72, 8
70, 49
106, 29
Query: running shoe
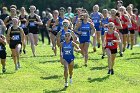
70, 80
24, 51
18, 65
128, 46
66, 84
109, 71
98, 45
112, 72
3, 70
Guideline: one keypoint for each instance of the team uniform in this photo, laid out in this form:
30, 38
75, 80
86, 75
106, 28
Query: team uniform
85, 32
124, 25
96, 17
54, 30
109, 44
2, 51
15, 37
33, 28
67, 51
62, 35
23, 24
104, 21
60, 25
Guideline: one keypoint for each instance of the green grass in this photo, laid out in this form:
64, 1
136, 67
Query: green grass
44, 73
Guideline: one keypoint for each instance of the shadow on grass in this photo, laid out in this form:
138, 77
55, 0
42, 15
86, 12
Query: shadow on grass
43, 62
132, 58
50, 77
55, 91
98, 79
135, 53
98, 68
93, 59
7, 73
76, 66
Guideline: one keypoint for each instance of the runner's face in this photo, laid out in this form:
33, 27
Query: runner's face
15, 22
32, 9
22, 10
111, 27
67, 36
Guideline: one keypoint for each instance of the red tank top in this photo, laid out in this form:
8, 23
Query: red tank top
109, 38
115, 22
134, 26
124, 20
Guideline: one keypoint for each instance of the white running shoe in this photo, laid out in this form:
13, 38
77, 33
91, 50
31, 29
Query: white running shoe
66, 84
70, 80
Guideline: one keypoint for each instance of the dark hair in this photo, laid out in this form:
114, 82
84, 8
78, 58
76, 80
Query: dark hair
48, 9
118, 14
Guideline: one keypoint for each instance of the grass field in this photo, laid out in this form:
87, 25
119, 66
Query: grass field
44, 73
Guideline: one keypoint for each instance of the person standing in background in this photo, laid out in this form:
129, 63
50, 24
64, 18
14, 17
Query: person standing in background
43, 28
69, 14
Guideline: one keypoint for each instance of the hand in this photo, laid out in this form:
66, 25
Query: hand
35, 22
113, 41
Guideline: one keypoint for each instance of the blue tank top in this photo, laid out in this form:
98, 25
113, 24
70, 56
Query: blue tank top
62, 36
85, 29
67, 50
105, 21
96, 18
60, 26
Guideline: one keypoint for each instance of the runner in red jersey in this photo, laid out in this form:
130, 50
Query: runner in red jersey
115, 19
126, 23
133, 27
111, 40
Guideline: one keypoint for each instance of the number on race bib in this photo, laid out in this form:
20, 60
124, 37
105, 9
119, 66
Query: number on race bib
32, 24
15, 37
23, 25
95, 21
84, 33
110, 44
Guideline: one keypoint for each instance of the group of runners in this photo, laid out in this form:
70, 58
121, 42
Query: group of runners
110, 29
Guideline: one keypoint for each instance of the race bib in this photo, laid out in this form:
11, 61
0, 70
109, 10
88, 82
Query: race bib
95, 21
67, 52
55, 28
23, 25
32, 24
105, 29
16, 37
84, 33
130, 26
110, 44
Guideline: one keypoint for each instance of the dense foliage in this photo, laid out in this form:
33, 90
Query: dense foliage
55, 4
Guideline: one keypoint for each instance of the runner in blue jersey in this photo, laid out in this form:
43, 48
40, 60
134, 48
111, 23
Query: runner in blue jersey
67, 53
104, 27
86, 29
96, 17
61, 34
60, 19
